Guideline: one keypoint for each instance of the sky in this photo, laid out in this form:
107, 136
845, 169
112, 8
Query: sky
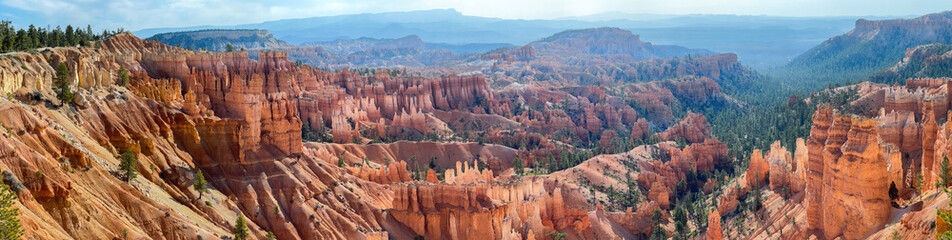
139, 14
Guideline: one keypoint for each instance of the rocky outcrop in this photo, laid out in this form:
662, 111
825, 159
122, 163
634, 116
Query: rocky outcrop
848, 176
394, 172
484, 210
878, 42
217, 40
640, 130
707, 155
238, 120
693, 128
758, 170
714, 225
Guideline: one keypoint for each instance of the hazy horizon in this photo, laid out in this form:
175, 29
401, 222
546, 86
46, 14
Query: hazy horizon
133, 16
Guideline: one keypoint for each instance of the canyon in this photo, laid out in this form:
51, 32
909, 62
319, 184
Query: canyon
240, 120
586, 134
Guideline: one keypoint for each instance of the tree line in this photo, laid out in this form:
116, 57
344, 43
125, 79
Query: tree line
14, 40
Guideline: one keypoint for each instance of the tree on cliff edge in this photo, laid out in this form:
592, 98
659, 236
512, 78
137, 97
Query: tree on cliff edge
61, 84
241, 228
229, 48
9, 214
518, 165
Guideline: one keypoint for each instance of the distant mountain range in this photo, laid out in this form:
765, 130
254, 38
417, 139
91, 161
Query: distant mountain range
349, 46
217, 40
925, 61
874, 45
758, 40
608, 41
576, 48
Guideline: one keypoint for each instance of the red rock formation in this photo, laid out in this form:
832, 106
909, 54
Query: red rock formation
638, 221
929, 130
757, 171
707, 154
394, 172
845, 173
693, 128
239, 121
822, 119
605, 141
780, 166
660, 194
640, 130
477, 211
714, 225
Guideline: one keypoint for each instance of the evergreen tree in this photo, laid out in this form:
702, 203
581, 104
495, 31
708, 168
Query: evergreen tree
518, 165
659, 233
127, 166
680, 221
69, 35
229, 48
61, 84
123, 76
200, 184
9, 214
241, 229
945, 173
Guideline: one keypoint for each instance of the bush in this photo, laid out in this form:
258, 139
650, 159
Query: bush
556, 235
123, 77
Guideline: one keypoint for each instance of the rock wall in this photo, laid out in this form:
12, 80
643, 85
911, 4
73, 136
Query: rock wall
848, 176
484, 210
693, 128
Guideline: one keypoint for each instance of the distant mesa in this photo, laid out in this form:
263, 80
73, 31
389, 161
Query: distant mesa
874, 45
609, 41
218, 39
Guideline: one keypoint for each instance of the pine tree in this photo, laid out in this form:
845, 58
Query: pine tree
945, 172
123, 76
229, 48
127, 166
518, 165
680, 221
61, 84
70, 36
200, 184
241, 229
9, 214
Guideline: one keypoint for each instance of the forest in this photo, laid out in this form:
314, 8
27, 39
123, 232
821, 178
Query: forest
13, 39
